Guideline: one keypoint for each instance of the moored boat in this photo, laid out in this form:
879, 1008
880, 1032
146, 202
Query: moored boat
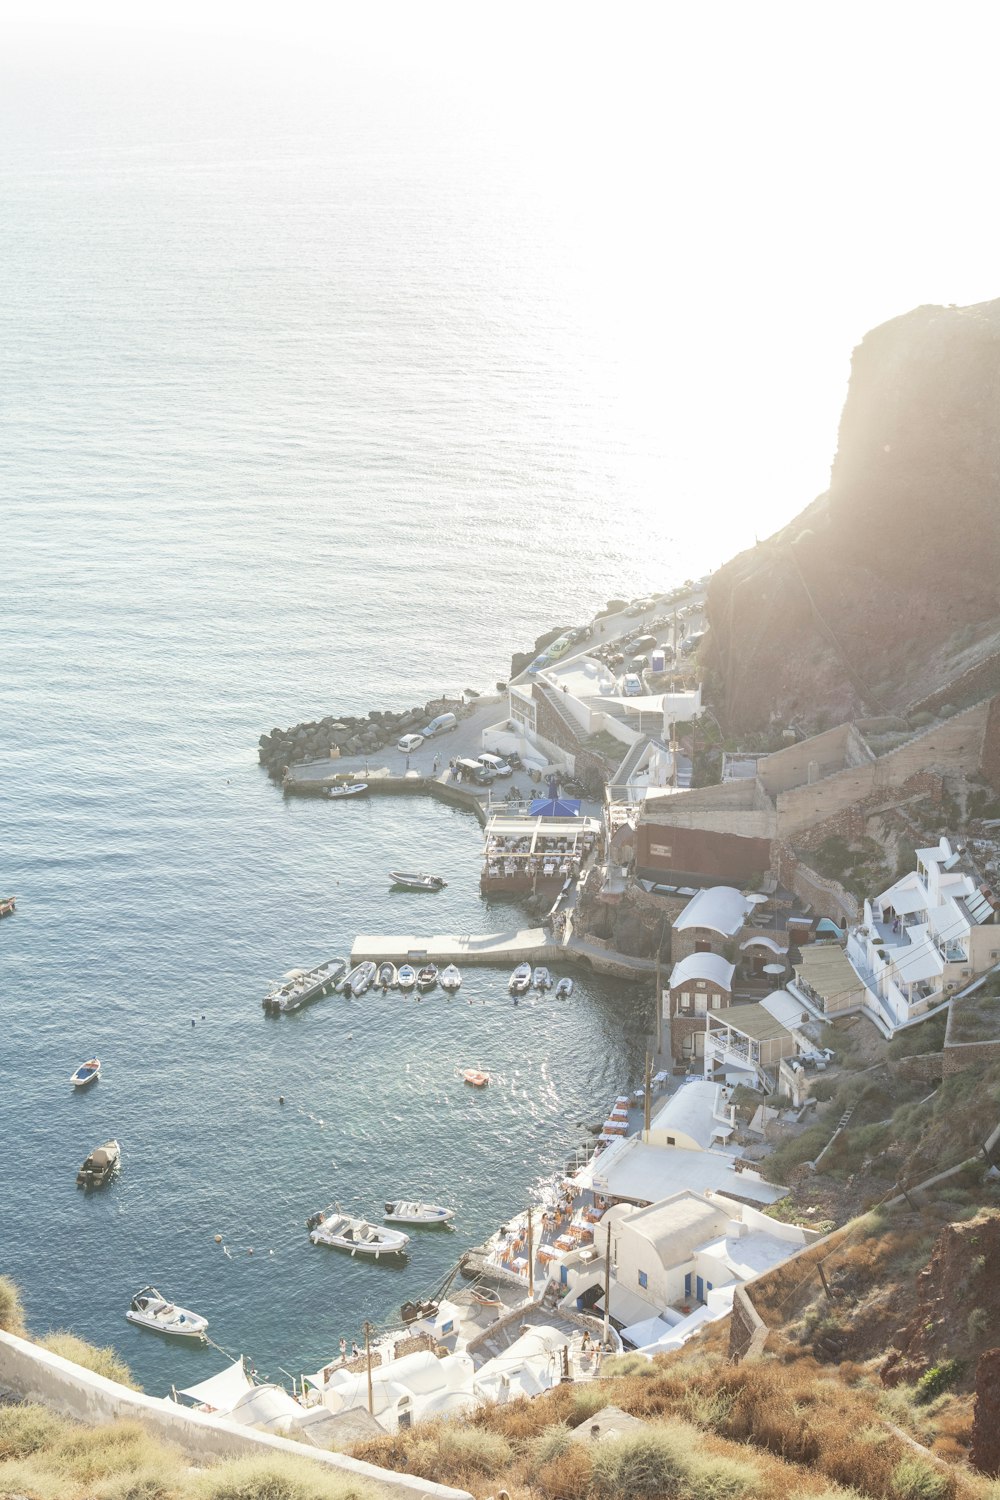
386, 978
406, 976
403, 1211
345, 1232
427, 977
8, 906
520, 980
564, 989
150, 1309
541, 979
450, 978
348, 789
299, 986
101, 1164
87, 1072
414, 880
477, 1078
361, 978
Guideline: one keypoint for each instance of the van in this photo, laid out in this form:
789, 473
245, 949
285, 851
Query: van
439, 725
471, 770
631, 685
496, 764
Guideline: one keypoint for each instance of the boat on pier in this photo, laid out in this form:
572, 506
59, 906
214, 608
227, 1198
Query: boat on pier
361, 979
450, 979
541, 978
406, 977
427, 977
386, 978
520, 981
347, 789
299, 986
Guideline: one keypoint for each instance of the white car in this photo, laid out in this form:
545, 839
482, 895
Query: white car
410, 742
496, 764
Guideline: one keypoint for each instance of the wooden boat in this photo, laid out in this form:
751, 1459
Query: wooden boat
361, 978
149, 1309
299, 986
403, 1212
486, 1299
478, 1078
8, 905
100, 1165
349, 789
427, 977
386, 978
416, 881
564, 989
450, 978
87, 1072
541, 979
344, 1232
406, 976
520, 980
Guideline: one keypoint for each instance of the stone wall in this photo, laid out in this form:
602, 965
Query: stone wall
989, 759
975, 682
556, 726
829, 753
34, 1374
826, 897
682, 1027
850, 823
927, 1067
747, 1329
961, 1055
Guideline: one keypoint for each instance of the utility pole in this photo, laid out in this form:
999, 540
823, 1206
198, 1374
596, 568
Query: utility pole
531, 1258
607, 1288
659, 999
648, 1093
368, 1357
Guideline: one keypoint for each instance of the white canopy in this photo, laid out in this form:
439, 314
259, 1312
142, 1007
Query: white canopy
222, 1391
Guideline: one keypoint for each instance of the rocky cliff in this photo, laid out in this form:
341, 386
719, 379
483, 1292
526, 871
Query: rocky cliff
883, 596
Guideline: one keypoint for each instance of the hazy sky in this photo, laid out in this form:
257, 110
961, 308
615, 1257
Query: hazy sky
752, 186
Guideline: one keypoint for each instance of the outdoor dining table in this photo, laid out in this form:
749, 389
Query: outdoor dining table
616, 1127
618, 1113
582, 1232
521, 1265
547, 1252
595, 1215
565, 1242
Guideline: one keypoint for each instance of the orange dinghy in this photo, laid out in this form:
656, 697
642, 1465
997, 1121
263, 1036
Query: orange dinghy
477, 1077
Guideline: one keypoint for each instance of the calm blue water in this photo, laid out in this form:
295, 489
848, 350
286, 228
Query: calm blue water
301, 419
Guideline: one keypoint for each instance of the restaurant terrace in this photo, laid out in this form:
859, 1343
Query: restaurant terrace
524, 854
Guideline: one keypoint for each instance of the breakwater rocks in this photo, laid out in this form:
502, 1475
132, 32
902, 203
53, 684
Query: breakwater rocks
344, 734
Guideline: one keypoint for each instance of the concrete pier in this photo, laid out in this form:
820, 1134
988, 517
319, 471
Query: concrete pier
528, 945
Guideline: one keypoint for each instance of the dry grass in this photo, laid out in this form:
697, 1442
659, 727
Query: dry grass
102, 1361
11, 1310
277, 1478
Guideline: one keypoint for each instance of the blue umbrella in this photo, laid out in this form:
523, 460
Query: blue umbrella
555, 807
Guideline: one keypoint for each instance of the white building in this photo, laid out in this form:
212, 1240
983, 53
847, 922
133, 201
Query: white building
697, 1117
927, 935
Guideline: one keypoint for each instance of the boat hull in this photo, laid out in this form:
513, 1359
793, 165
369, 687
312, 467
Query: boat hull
172, 1330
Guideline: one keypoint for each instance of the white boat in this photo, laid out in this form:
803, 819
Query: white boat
404, 1212
450, 978
411, 880
541, 979
520, 980
349, 789
406, 976
362, 978
87, 1072
564, 989
101, 1164
299, 986
345, 1232
149, 1309
386, 977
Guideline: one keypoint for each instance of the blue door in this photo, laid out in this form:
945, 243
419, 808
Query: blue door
701, 1289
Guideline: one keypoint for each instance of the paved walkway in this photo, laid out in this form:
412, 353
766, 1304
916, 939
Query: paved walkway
525, 945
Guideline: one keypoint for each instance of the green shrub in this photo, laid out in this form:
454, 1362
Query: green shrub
278, 1478
720, 1479
912, 1479
473, 1448
27, 1429
550, 1445
11, 1311
977, 1323
937, 1379
650, 1464
628, 1364
102, 1361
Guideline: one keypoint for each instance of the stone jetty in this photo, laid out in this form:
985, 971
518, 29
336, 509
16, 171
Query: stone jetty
344, 734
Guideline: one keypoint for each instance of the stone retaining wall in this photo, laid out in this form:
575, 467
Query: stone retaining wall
827, 898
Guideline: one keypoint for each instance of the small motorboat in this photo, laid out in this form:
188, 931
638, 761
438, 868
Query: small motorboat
450, 978
541, 979
403, 1212
344, 1232
348, 789
409, 880
101, 1164
299, 986
520, 980
361, 978
87, 1072
477, 1078
427, 977
386, 978
564, 989
149, 1309
406, 976
8, 906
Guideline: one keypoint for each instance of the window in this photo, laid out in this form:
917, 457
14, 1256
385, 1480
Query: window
685, 1000
671, 1141
643, 1279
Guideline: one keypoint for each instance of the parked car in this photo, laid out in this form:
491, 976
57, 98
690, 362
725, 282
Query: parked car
631, 685
496, 764
471, 770
410, 742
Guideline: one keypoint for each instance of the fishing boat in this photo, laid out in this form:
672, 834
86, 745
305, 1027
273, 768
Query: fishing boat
386, 977
478, 1078
450, 978
101, 1164
541, 979
520, 980
564, 989
486, 1299
427, 977
299, 986
404, 1212
361, 978
406, 976
409, 880
87, 1072
149, 1309
344, 1232
348, 789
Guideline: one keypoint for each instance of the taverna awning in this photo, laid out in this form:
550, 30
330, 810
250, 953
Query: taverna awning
555, 807
221, 1391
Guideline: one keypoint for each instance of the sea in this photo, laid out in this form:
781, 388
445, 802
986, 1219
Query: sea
304, 411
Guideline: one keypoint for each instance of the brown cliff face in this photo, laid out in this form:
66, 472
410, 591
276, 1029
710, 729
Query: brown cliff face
887, 588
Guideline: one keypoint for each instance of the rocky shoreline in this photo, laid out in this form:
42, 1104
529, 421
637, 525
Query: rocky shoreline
346, 734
